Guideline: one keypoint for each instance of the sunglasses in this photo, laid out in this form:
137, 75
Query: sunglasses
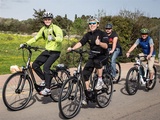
108, 28
92, 23
144, 34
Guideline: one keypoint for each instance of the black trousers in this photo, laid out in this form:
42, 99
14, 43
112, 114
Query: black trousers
46, 58
96, 62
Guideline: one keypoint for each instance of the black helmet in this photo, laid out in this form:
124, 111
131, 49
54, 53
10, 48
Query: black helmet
47, 15
93, 19
144, 31
108, 26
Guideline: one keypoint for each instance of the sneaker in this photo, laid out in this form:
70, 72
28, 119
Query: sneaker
45, 91
84, 102
42, 83
114, 81
99, 85
150, 83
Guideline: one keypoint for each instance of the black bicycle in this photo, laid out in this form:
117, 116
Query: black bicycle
70, 100
109, 69
18, 88
138, 76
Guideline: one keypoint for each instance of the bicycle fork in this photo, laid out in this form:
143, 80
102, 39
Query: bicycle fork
143, 78
21, 83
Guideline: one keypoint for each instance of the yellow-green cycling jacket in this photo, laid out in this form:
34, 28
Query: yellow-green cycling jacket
54, 32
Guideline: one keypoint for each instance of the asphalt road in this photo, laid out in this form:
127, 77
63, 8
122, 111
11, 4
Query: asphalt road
141, 106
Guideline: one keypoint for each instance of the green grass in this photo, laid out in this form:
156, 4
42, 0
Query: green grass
9, 53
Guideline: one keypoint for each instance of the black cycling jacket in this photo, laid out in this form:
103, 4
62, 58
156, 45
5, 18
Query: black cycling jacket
90, 38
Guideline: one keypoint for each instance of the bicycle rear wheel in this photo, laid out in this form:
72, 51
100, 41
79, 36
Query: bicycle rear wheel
132, 81
70, 100
105, 94
57, 84
118, 72
17, 91
151, 86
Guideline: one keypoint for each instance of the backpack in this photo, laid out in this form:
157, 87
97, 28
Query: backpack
121, 52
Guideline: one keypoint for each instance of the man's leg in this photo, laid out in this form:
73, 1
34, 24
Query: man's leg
87, 71
47, 73
40, 60
150, 66
113, 61
46, 68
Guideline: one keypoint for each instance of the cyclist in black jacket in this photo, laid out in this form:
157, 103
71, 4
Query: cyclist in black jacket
98, 44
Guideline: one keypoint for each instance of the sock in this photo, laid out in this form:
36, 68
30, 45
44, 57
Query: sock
99, 78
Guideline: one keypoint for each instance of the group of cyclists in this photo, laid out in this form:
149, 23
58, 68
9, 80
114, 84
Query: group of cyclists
102, 43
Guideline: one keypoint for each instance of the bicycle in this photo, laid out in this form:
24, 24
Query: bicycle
138, 76
70, 100
109, 69
18, 88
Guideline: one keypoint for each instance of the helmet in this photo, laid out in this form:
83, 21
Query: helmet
93, 19
47, 15
109, 26
144, 31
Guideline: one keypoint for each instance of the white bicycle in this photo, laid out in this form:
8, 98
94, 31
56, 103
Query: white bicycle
138, 76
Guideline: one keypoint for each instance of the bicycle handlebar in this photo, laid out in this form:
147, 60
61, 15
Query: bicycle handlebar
80, 51
134, 56
28, 47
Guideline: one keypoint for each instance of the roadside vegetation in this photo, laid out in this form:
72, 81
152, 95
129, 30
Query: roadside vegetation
14, 32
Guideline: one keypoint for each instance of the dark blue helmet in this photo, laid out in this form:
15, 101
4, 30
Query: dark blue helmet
108, 26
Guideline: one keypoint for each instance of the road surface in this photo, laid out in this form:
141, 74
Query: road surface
141, 106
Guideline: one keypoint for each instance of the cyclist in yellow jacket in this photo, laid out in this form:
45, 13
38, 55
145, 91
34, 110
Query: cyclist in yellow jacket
53, 36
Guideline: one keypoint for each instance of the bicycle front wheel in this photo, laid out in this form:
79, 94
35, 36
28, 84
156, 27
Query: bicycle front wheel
132, 81
57, 84
70, 100
105, 94
118, 72
17, 91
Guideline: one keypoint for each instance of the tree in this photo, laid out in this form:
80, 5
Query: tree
79, 26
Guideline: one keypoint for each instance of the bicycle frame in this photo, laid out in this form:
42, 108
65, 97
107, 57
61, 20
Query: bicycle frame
80, 78
78, 72
28, 71
138, 76
143, 78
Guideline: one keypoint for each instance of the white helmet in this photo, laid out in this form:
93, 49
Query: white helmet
93, 19
47, 15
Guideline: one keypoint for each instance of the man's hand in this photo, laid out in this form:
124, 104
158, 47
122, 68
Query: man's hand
97, 40
110, 52
127, 54
69, 49
149, 56
23, 45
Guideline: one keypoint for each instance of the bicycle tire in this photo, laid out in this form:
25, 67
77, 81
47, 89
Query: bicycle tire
105, 94
118, 72
132, 81
56, 85
154, 80
14, 98
70, 101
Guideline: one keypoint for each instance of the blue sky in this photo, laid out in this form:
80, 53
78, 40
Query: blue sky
23, 9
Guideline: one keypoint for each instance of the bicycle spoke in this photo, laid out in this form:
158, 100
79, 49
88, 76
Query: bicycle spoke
70, 104
15, 94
